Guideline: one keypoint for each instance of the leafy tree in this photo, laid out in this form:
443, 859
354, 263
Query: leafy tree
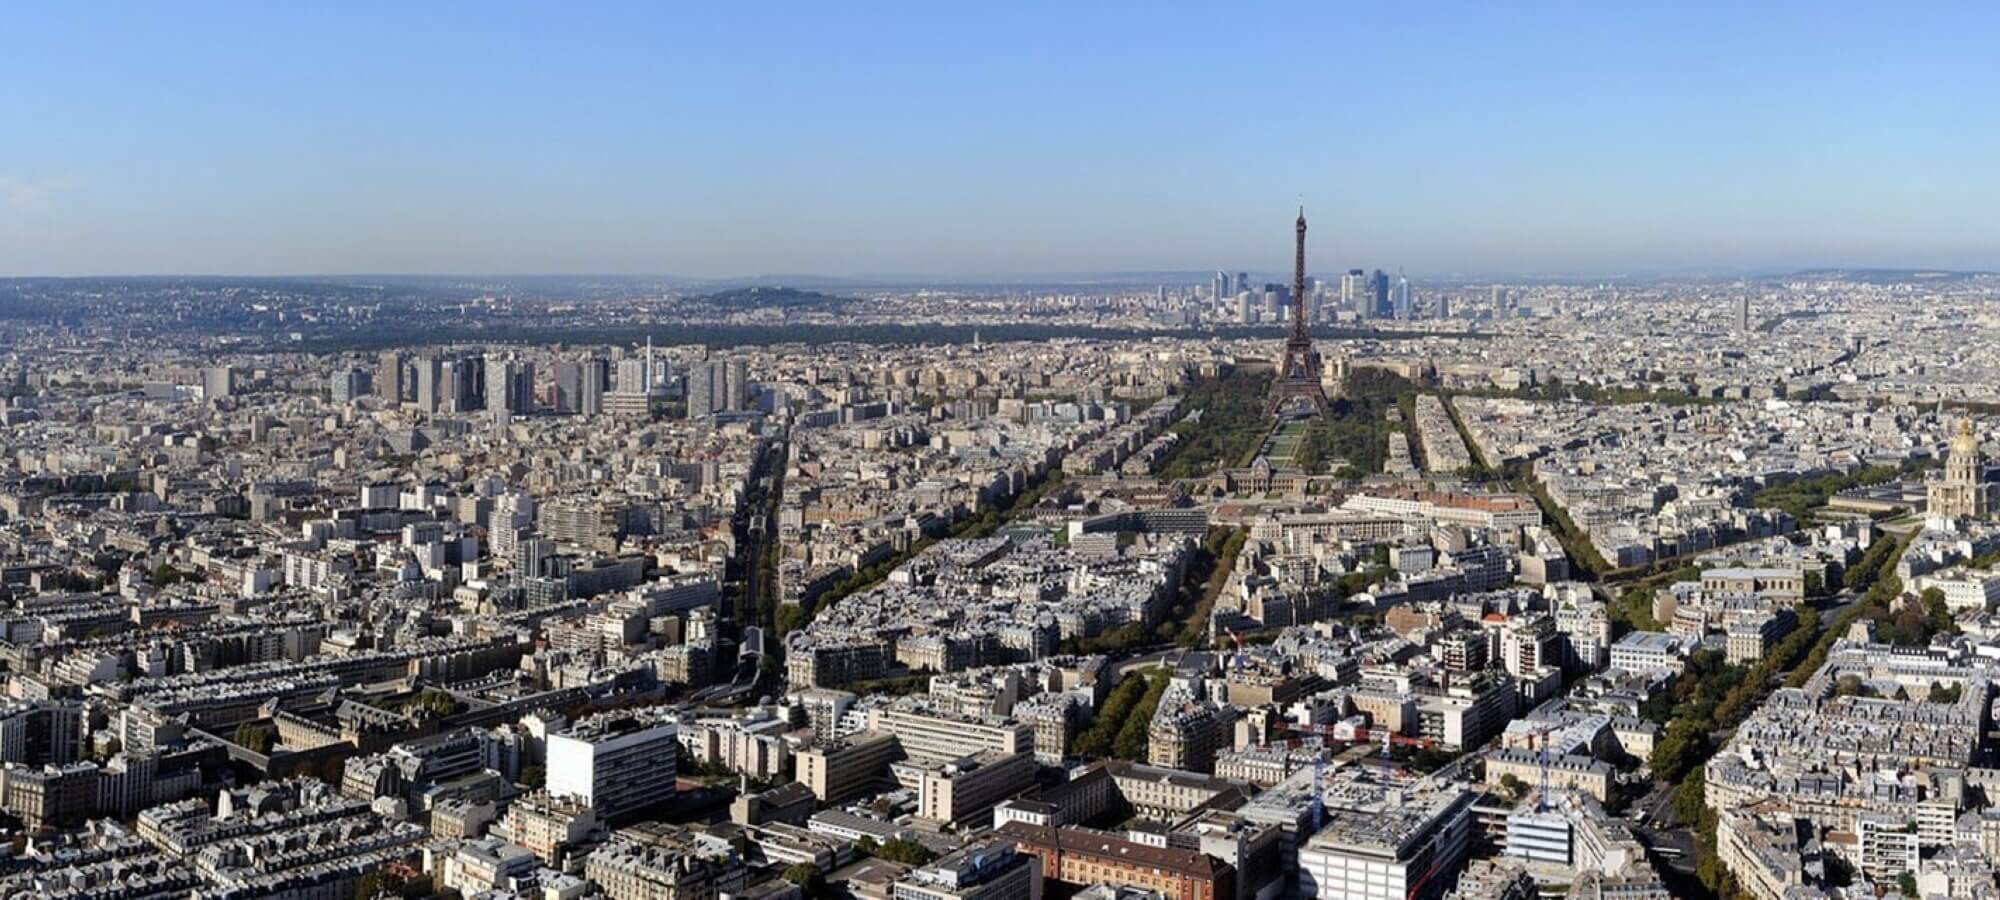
534, 777
1942, 693
1684, 746
433, 702
374, 884
791, 617
811, 881
1907, 628
255, 737
1800, 496
1513, 785
1938, 618
1689, 800
1634, 610
905, 851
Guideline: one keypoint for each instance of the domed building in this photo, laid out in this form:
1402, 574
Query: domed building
1962, 491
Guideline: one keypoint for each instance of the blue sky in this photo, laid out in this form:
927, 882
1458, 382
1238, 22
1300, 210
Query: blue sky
876, 138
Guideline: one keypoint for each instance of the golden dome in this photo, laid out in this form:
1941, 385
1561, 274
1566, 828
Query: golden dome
1964, 441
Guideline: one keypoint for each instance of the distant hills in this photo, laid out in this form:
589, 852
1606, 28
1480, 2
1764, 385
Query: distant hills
1887, 276
768, 297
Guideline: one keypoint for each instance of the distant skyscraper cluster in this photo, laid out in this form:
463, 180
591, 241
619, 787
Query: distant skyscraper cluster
1359, 294
454, 382
450, 384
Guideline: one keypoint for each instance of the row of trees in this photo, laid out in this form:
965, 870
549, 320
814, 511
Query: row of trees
1209, 573
1111, 643
1800, 496
1687, 747
1357, 426
1225, 424
1097, 739
1576, 545
1720, 698
1120, 726
1875, 576
1132, 736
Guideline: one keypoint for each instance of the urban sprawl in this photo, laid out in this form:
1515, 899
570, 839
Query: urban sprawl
1472, 590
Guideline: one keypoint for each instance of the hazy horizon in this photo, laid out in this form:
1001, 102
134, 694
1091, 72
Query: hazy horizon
1177, 277
994, 145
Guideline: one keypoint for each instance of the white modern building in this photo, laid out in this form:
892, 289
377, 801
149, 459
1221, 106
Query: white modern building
617, 762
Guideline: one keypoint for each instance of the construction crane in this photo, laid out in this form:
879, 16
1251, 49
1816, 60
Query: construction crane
1356, 735
1540, 734
1239, 647
1319, 773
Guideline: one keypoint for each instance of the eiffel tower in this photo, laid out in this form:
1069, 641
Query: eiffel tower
1297, 386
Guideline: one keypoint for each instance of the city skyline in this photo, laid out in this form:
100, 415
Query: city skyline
993, 145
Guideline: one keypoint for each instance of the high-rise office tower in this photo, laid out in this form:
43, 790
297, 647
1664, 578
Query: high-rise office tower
701, 390
531, 556
218, 383
510, 389
499, 385
1354, 291
464, 383
632, 376
596, 380
1399, 297
1499, 298
473, 390
389, 377
663, 374
735, 386
1378, 289
451, 393
1220, 287
347, 386
569, 386
1743, 313
430, 383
